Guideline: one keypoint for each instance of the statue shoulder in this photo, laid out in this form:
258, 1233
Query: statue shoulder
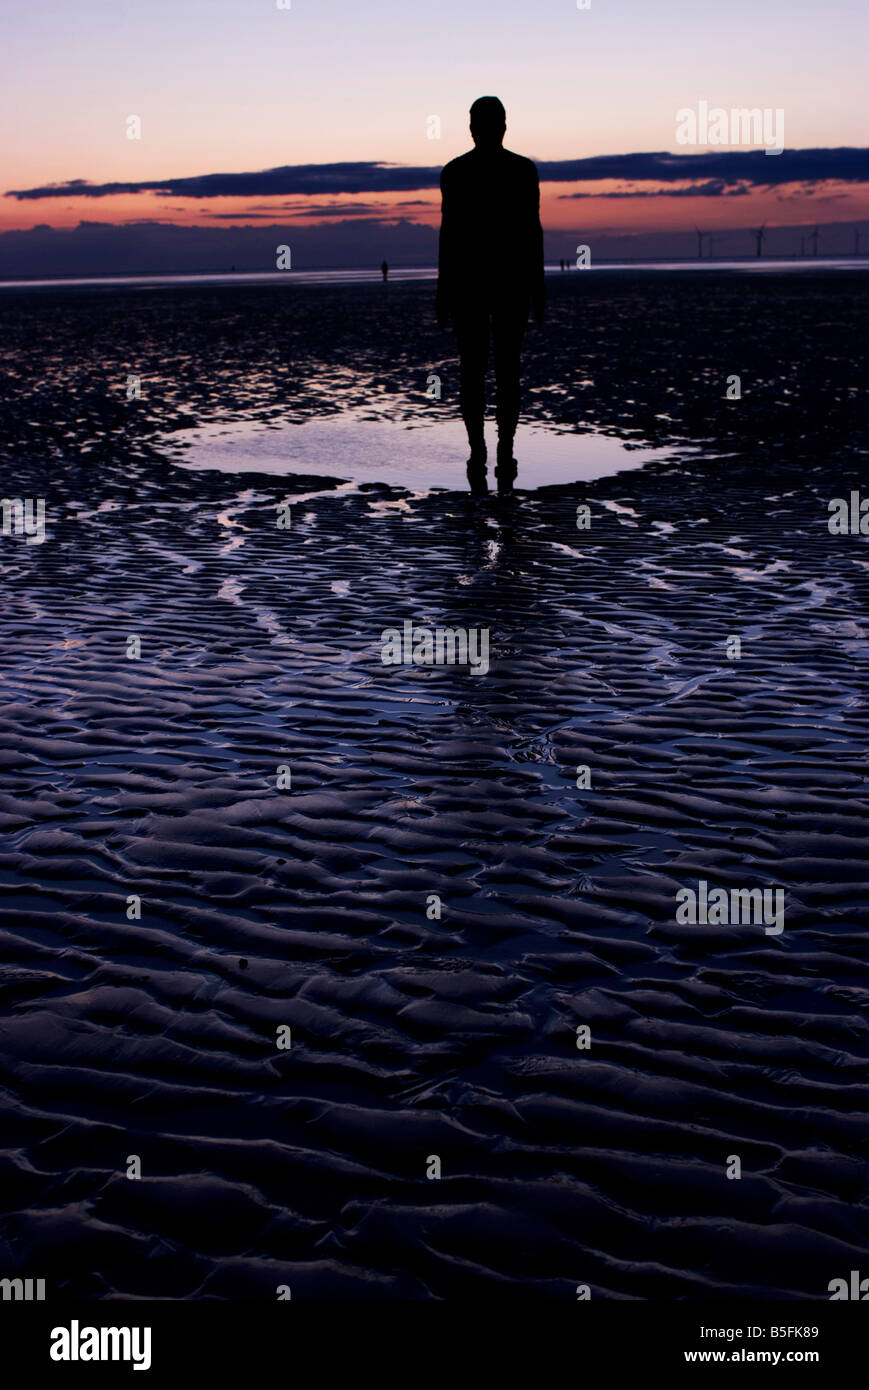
522, 167
457, 169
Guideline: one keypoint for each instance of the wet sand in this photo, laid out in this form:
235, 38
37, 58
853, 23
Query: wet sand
306, 907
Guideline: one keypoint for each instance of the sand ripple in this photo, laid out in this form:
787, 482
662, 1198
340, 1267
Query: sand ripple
307, 907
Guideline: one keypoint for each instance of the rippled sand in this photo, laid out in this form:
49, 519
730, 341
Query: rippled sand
307, 907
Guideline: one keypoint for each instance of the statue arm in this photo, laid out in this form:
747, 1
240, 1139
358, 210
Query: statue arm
538, 286
445, 256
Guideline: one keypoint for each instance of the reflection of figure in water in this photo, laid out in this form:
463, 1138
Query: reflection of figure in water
384, 270
491, 268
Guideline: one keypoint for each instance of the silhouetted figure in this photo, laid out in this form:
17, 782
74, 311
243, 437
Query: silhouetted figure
490, 271
384, 271
561, 263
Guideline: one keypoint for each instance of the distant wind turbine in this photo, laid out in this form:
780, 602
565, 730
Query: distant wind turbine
700, 236
815, 234
759, 234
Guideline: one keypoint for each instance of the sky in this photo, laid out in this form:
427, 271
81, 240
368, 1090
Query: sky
243, 86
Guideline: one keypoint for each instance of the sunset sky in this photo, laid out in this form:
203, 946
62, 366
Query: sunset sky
241, 86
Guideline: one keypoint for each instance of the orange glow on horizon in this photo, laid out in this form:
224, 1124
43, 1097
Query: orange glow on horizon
635, 213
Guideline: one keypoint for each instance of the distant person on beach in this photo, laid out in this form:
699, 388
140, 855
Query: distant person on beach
384, 270
490, 270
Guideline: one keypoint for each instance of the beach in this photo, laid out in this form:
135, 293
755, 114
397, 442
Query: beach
433, 897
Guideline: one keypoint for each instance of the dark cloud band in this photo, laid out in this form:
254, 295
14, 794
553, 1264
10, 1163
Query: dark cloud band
715, 171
